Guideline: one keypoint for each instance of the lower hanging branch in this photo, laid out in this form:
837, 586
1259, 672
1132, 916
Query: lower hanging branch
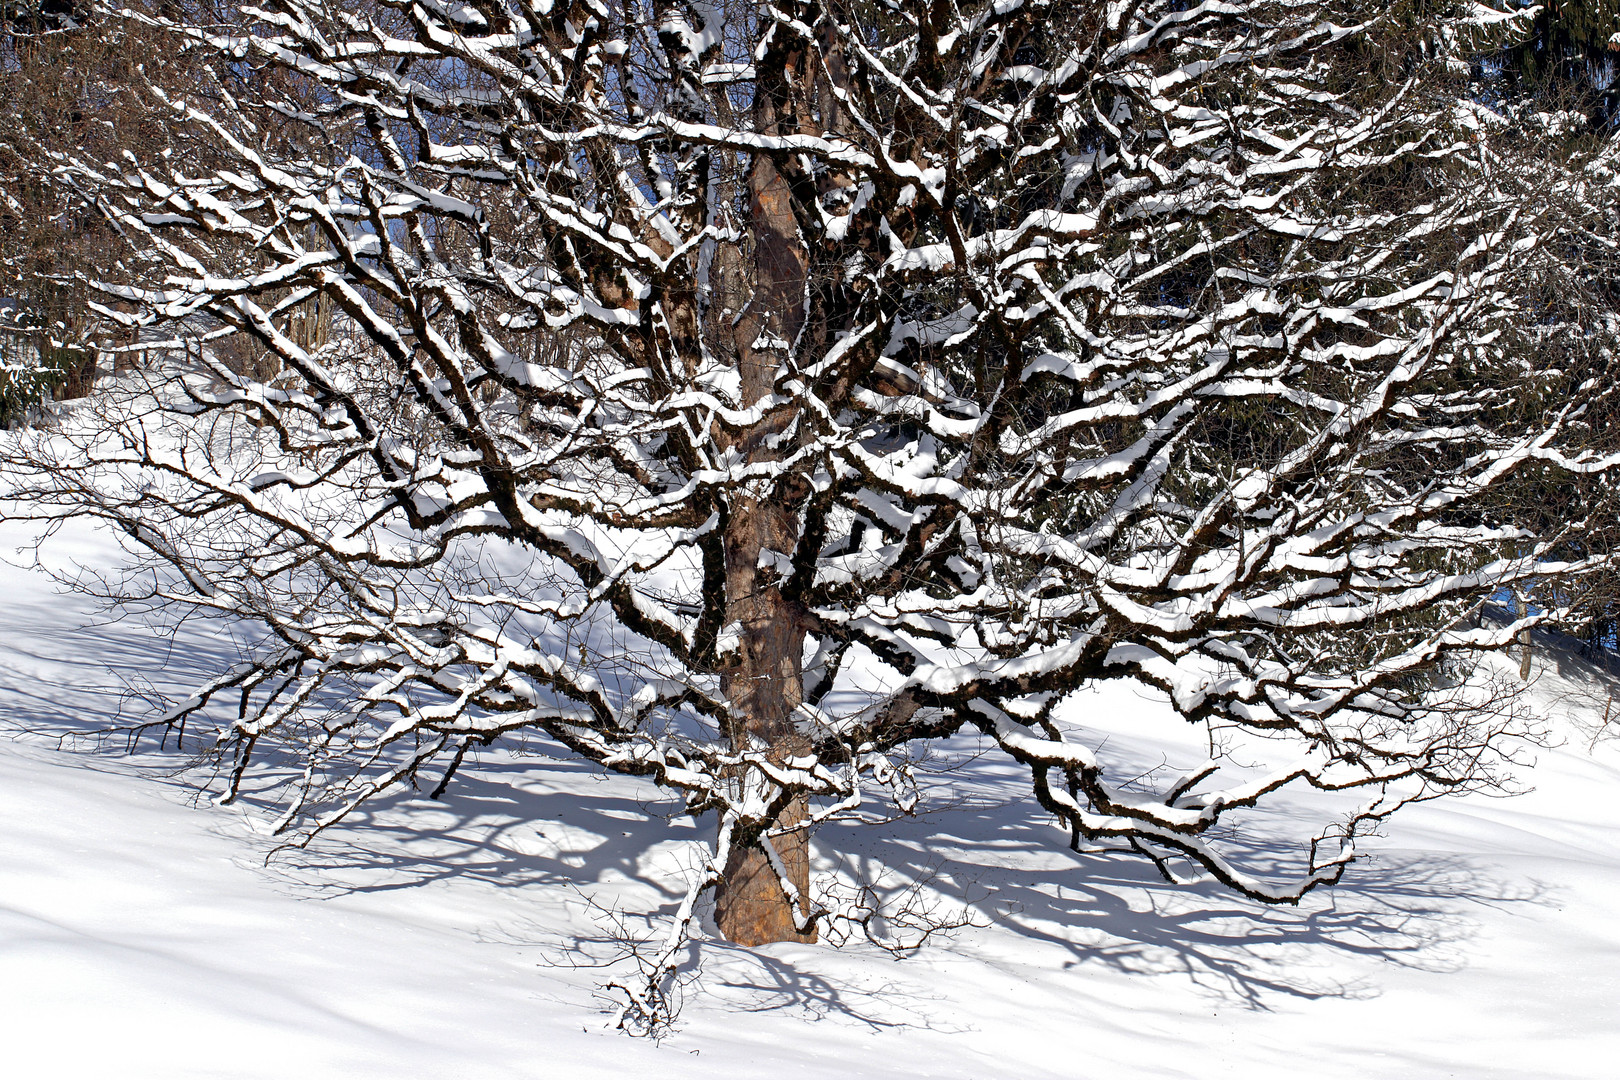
650, 1006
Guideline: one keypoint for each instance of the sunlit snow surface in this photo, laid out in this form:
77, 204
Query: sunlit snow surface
143, 936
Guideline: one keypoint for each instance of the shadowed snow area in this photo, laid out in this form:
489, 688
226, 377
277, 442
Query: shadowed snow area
143, 935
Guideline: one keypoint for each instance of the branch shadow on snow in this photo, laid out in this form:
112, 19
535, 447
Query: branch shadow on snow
1089, 910
590, 856
74, 678
601, 857
542, 824
596, 859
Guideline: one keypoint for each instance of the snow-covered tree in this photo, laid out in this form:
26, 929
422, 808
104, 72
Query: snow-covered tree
740, 393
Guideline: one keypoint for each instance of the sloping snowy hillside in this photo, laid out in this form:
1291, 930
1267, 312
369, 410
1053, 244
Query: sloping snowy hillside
143, 936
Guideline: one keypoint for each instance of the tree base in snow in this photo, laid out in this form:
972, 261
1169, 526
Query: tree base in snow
752, 903
750, 908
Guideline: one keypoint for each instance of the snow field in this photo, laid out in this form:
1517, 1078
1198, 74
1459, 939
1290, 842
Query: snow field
143, 936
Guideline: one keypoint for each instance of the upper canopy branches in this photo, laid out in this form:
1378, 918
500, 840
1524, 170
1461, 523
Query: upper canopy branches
1064, 340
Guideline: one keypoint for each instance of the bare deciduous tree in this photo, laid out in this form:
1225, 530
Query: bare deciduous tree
739, 393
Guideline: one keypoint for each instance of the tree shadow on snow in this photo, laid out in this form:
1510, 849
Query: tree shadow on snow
609, 851
559, 827
1005, 859
78, 680
601, 856
603, 859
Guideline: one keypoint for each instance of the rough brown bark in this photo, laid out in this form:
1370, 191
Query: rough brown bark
751, 908
764, 684
763, 681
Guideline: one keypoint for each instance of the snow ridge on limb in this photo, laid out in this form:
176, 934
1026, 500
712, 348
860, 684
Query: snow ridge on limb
739, 399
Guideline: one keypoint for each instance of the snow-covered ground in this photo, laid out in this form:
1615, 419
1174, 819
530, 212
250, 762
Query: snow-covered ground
143, 936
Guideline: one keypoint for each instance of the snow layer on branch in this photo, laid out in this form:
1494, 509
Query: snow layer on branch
1157, 351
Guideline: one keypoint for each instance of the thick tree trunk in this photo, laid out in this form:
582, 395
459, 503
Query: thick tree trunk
751, 908
764, 680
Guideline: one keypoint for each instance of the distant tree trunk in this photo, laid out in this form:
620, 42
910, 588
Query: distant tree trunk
1524, 639
80, 377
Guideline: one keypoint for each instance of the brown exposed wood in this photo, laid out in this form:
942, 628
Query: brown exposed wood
764, 681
